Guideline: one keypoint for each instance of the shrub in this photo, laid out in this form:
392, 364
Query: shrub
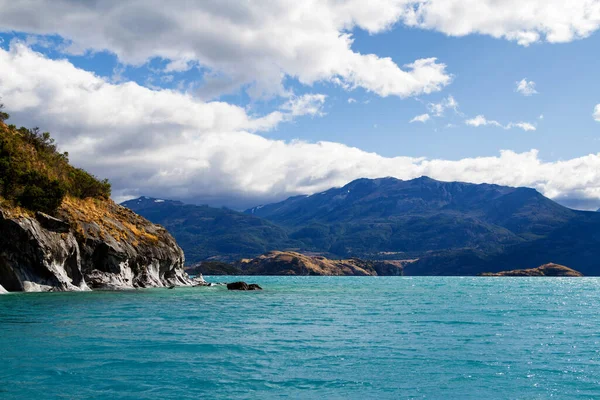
85, 185
3, 115
41, 193
36, 176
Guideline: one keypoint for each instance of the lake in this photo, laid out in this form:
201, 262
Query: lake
309, 338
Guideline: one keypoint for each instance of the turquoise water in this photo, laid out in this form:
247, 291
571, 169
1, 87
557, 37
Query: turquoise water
309, 338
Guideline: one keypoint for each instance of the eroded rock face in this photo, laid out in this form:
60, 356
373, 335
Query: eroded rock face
105, 247
36, 259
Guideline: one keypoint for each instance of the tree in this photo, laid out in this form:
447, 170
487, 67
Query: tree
3, 115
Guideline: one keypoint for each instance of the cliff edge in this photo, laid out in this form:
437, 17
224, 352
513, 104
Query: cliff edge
59, 230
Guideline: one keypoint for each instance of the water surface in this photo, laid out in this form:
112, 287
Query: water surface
310, 338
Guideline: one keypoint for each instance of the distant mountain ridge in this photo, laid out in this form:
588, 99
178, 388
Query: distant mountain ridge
452, 228
204, 232
374, 215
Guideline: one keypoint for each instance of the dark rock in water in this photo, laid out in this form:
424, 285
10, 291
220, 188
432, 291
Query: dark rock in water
243, 286
51, 223
237, 286
254, 286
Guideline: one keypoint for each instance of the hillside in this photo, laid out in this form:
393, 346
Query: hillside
207, 232
35, 176
292, 263
59, 230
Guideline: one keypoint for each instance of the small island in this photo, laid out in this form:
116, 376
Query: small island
550, 270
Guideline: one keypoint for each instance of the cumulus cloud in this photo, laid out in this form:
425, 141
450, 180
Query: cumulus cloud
167, 144
351, 100
240, 43
596, 114
308, 104
526, 22
481, 120
420, 118
525, 87
258, 44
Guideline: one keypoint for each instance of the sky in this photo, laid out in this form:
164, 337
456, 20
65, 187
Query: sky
239, 103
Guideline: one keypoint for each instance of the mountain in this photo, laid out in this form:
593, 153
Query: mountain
371, 216
453, 228
446, 228
206, 232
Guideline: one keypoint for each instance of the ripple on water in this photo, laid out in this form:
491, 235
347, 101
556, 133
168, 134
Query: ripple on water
308, 337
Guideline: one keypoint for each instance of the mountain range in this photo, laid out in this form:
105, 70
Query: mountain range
207, 232
450, 228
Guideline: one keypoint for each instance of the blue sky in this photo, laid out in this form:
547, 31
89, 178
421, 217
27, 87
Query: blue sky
357, 105
485, 71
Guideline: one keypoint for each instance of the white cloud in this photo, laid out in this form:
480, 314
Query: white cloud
351, 100
420, 118
167, 144
525, 87
308, 104
597, 113
526, 126
526, 22
437, 109
240, 43
481, 120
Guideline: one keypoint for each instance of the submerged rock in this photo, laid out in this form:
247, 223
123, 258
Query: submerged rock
254, 286
243, 286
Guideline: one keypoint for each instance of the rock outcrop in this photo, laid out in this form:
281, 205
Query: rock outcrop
243, 286
36, 259
90, 244
554, 270
292, 263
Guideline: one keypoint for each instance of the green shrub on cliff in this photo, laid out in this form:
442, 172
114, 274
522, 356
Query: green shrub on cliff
35, 175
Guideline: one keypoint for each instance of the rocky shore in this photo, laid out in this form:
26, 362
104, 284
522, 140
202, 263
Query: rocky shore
91, 244
553, 270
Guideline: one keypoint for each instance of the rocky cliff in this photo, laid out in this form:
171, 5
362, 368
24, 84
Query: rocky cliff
60, 231
92, 244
